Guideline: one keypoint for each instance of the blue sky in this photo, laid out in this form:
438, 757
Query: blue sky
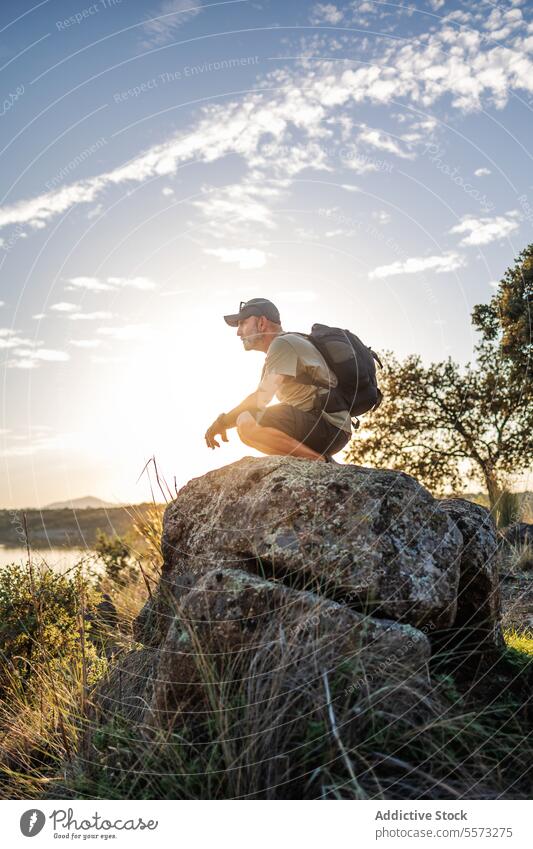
361, 163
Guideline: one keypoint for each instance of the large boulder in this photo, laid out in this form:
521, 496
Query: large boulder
301, 604
375, 539
256, 551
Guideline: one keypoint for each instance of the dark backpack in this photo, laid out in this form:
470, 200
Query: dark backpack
354, 365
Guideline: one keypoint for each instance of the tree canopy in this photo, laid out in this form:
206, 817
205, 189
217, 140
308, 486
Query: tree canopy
507, 320
446, 424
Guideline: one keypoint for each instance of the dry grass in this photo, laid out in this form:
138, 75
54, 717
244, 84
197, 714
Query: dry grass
272, 725
43, 714
516, 558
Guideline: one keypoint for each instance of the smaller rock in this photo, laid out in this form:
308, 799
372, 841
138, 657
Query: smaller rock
243, 626
477, 623
152, 623
126, 690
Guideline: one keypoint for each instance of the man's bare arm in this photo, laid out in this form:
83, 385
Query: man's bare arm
248, 405
257, 400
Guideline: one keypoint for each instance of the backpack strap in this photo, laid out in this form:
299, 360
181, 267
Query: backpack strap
305, 378
377, 359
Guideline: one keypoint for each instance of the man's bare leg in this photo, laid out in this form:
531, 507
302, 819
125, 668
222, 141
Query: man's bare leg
269, 440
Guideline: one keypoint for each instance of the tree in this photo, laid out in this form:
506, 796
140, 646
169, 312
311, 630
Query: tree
507, 320
443, 423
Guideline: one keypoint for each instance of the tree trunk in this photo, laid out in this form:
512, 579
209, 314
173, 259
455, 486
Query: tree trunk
493, 489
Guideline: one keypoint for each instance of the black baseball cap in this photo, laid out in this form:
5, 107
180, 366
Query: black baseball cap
255, 306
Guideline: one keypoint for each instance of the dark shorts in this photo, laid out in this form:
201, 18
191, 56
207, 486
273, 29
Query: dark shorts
307, 427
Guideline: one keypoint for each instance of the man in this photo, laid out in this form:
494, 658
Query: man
296, 426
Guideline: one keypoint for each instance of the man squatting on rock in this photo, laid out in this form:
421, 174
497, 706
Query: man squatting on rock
296, 426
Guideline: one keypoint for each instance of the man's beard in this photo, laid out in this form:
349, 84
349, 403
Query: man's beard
249, 342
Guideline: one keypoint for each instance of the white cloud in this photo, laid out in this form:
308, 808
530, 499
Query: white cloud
381, 216
31, 357
126, 332
167, 191
23, 364
2, 303
331, 234
326, 13
95, 284
229, 208
38, 210
50, 356
482, 172
502, 23
92, 284
303, 107
414, 265
90, 316
64, 306
142, 283
167, 19
12, 342
383, 141
245, 258
39, 316
481, 231
95, 212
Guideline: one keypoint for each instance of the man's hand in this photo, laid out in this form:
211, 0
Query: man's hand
256, 401
218, 427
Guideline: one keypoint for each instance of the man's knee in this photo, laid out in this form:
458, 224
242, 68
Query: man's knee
246, 426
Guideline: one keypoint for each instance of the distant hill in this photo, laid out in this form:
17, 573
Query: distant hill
83, 503
71, 528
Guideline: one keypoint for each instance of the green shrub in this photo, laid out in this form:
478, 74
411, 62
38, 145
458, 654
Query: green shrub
41, 621
115, 552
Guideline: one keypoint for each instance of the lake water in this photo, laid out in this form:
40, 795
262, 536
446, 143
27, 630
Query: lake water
60, 559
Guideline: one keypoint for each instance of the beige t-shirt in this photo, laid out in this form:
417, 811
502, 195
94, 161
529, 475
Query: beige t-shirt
291, 355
